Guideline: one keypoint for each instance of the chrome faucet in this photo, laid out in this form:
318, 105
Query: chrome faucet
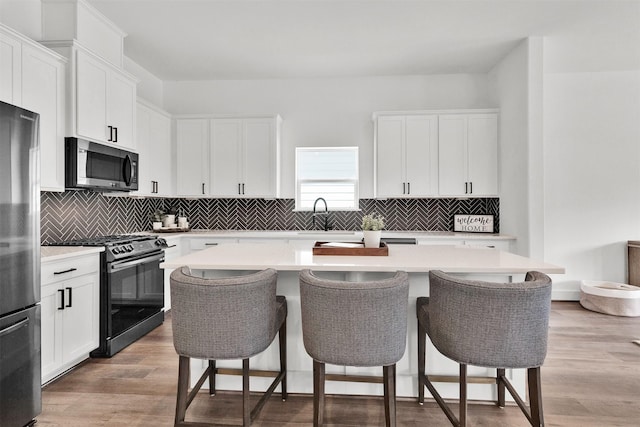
325, 214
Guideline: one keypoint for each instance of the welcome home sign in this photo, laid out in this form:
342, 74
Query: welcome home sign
473, 223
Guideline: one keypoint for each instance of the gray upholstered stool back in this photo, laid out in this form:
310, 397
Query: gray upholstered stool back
354, 323
223, 318
499, 325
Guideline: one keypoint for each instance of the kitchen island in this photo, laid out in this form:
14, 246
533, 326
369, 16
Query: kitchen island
288, 259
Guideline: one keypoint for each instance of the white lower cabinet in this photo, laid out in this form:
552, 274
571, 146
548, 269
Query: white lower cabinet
70, 312
173, 251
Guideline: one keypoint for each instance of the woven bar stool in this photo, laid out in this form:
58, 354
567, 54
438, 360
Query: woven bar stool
354, 324
226, 318
493, 325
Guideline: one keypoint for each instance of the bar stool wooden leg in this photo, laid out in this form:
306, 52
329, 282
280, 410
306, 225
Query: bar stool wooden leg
282, 339
246, 403
422, 344
463, 395
183, 389
501, 390
318, 393
389, 376
535, 396
212, 377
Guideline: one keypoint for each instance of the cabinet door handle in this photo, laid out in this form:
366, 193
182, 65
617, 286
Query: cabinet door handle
61, 291
466, 188
239, 189
110, 133
408, 188
64, 271
116, 133
404, 188
243, 188
471, 187
203, 188
70, 302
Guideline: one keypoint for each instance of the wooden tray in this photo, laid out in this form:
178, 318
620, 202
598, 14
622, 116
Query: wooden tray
171, 230
319, 249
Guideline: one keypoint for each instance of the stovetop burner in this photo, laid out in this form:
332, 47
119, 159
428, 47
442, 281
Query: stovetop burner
104, 240
120, 246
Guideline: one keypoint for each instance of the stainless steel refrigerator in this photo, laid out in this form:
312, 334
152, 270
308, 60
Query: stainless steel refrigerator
20, 381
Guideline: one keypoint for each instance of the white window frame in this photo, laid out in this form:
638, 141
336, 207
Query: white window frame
354, 181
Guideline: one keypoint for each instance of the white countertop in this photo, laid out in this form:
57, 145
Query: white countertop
52, 253
409, 258
329, 235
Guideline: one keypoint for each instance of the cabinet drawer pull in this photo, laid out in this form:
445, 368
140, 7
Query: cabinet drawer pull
70, 302
211, 244
61, 291
65, 271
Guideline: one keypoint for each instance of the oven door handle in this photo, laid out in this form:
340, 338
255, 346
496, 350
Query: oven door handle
117, 266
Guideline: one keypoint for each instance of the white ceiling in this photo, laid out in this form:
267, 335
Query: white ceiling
243, 39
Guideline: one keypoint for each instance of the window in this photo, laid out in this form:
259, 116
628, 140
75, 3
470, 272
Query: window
327, 172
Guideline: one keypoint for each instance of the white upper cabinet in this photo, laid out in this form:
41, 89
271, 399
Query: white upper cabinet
406, 155
105, 101
225, 152
228, 157
244, 156
33, 77
10, 77
192, 168
468, 154
154, 151
101, 98
43, 92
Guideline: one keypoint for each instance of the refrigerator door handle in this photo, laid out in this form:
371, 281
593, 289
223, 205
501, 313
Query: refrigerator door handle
14, 327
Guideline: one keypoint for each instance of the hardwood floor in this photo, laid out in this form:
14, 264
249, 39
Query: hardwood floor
591, 377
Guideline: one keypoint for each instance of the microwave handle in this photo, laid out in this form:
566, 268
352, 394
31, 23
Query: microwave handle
127, 170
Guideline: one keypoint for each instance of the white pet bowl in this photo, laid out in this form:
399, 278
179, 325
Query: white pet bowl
618, 299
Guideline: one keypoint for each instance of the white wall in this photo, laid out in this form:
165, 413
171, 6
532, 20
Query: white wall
327, 112
592, 170
149, 86
24, 16
509, 83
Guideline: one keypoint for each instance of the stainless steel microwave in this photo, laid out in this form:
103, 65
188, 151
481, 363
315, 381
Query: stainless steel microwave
94, 166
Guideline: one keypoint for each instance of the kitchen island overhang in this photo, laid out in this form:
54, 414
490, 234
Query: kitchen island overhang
417, 260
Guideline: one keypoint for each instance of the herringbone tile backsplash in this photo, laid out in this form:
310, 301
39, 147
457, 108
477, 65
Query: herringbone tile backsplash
78, 214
